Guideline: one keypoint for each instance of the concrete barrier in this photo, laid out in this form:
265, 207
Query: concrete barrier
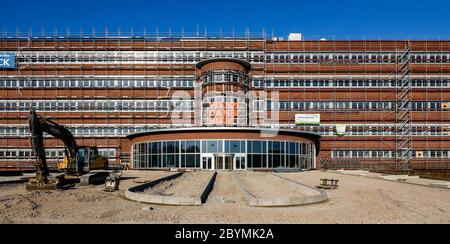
136, 193
399, 177
445, 185
307, 195
354, 172
208, 188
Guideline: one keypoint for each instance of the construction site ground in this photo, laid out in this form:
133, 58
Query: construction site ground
190, 184
358, 200
263, 185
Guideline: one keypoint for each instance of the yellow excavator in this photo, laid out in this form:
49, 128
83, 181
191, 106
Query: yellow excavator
91, 158
79, 160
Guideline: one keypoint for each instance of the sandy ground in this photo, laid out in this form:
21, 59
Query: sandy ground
190, 184
421, 181
358, 200
268, 186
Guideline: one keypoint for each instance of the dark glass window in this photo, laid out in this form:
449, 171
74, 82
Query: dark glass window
156, 147
183, 161
183, 147
292, 147
264, 147
172, 161
276, 161
191, 161
211, 147
276, 147
258, 161
257, 147
172, 147
192, 147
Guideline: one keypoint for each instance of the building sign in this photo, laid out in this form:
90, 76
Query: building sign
7, 60
307, 119
341, 130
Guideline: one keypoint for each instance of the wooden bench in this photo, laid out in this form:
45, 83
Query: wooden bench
329, 184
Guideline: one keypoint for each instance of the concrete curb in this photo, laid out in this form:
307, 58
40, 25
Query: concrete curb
441, 185
208, 188
135, 193
312, 195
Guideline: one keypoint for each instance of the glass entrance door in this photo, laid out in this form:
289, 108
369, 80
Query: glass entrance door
207, 163
219, 162
223, 161
240, 162
229, 162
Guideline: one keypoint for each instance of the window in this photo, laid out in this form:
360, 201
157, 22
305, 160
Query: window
187, 154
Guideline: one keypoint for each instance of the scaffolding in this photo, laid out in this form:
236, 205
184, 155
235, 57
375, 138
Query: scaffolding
404, 142
324, 71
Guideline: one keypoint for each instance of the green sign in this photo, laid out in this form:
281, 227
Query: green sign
307, 119
341, 130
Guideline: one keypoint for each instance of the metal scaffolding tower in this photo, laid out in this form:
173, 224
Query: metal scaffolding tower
404, 143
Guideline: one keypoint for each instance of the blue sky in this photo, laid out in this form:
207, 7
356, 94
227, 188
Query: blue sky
312, 18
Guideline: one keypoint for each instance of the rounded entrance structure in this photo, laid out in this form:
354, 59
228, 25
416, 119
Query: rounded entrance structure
224, 149
225, 83
222, 138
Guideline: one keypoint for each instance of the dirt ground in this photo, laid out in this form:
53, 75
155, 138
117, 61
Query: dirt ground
358, 200
263, 185
188, 185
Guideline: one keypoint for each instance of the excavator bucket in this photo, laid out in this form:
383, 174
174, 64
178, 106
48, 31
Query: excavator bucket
51, 185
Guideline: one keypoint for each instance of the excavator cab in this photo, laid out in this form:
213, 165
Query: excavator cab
87, 159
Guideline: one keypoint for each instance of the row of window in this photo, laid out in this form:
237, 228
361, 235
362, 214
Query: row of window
224, 77
375, 130
223, 146
97, 83
186, 83
188, 154
388, 154
356, 58
309, 106
324, 130
88, 131
269, 161
194, 57
188, 106
51, 153
98, 105
345, 83
173, 56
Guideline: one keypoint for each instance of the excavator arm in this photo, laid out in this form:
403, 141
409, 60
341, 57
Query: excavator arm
39, 125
